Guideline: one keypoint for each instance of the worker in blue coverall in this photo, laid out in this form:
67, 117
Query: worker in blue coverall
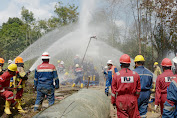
170, 106
45, 75
110, 72
79, 76
146, 80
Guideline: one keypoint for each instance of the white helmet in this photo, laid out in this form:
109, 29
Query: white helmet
109, 62
62, 62
175, 60
77, 56
105, 67
9, 61
77, 65
45, 55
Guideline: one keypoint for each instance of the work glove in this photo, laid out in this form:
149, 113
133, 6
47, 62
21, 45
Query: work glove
155, 108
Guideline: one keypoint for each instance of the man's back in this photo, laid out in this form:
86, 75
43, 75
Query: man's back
146, 77
45, 73
126, 82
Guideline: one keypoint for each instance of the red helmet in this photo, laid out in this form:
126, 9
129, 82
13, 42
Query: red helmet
125, 58
166, 62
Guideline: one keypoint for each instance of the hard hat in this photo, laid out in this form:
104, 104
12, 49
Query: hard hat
62, 62
166, 62
66, 73
9, 61
12, 67
1, 60
45, 55
19, 60
125, 58
139, 58
77, 55
105, 67
109, 62
156, 63
58, 61
175, 60
77, 65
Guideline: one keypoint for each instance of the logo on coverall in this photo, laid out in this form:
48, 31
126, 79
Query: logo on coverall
169, 79
128, 79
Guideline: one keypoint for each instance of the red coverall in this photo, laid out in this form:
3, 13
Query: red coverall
162, 83
4, 85
126, 87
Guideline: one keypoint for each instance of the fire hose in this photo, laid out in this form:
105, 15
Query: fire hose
16, 86
19, 82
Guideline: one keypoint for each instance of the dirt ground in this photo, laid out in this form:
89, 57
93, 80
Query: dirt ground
29, 98
113, 111
60, 94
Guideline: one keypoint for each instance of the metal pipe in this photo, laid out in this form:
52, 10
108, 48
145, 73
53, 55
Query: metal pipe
87, 47
87, 103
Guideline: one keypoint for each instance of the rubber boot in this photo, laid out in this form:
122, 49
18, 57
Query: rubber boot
7, 107
18, 106
73, 85
19, 101
82, 85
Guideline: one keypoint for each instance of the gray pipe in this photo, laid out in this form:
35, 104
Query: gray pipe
86, 103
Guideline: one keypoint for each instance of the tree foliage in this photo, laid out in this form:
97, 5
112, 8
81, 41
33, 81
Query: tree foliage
17, 34
66, 14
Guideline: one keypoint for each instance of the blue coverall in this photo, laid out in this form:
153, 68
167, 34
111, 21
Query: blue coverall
146, 80
45, 75
170, 106
109, 74
79, 75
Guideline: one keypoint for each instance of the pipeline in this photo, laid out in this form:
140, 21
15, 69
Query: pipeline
86, 103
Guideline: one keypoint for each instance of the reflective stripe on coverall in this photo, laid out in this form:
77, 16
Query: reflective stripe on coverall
162, 83
146, 79
170, 106
4, 84
79, 75
126, 85
45, 74
110, 75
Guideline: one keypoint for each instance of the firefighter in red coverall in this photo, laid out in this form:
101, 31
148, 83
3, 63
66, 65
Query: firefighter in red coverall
162, 83
5, 93
125, 90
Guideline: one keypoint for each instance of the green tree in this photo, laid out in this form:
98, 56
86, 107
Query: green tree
66, 14
27, 16
12, 37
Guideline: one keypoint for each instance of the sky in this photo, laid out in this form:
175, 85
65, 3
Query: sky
42, 9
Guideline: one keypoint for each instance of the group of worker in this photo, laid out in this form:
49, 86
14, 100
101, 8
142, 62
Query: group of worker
131, 90
84, 70
13, 78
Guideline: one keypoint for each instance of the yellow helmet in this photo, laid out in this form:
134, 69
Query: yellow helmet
58, 61
66, 73
12, 67
95, 67
139, 58
156, 63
